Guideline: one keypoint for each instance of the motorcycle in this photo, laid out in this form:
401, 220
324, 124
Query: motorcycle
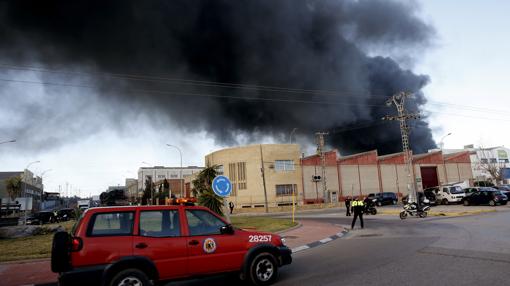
370, 208
412, 209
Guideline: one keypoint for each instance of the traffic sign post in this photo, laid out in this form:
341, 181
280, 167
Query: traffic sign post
222, 187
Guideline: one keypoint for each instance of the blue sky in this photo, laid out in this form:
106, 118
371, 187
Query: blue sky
468, 66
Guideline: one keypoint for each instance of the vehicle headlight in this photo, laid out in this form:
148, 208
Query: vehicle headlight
282, 240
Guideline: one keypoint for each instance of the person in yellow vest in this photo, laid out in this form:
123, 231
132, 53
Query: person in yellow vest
357, 206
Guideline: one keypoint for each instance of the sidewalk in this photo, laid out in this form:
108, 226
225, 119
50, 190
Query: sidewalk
27, 272
310, 234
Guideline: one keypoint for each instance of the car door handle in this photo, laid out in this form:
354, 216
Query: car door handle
193, 242
141, 245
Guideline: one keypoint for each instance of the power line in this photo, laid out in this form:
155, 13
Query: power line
164, 79
196, 94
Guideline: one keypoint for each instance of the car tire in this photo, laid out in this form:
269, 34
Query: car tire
444, 202
492, 203
373, 211
403, 215
263, 269
60, 252
423, 214
129, 277
466, 203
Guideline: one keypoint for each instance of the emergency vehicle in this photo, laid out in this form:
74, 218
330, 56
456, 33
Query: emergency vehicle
143, 245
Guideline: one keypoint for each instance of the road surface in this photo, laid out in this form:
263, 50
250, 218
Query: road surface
471, 250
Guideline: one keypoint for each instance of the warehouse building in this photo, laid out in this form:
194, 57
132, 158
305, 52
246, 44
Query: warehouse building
262, 175
365, 173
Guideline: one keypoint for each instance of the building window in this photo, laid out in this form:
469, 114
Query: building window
174, 176
284, 165
241, 171
484, 161
161, 176
285, 190
503, 160
233, 178
493, 160
242, 186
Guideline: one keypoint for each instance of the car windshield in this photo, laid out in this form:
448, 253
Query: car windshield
456, 190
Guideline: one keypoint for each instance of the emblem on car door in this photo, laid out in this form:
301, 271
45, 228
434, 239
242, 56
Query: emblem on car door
209, 245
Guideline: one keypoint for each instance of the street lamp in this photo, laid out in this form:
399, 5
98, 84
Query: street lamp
25, 189
9, 141
441, 143
182, 181
42, 174
292, 133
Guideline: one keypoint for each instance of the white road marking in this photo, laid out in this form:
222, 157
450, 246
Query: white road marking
300, 248
325, 240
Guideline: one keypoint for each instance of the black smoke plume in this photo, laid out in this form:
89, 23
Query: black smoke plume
232, 68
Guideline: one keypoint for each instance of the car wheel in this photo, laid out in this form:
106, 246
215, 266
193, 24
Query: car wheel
130, 277
444, 201
423, 214
403, 215
466, 203
373, 211
492, 203
263, 269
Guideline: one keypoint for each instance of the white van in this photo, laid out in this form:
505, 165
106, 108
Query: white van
448, 194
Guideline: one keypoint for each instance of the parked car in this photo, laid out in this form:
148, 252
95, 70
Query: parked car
486, 196
483, 184
66, 214
430, 194
40, 218
144, 245
386, 198
503, 188
421, 197
470, 191
448, 194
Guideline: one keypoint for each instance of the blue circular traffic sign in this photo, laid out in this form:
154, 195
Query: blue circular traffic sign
222, 186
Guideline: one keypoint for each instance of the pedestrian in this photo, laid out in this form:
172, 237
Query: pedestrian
357, 208
348, 206
231, 206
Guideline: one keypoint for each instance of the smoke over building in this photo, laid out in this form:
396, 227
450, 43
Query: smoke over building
233, 68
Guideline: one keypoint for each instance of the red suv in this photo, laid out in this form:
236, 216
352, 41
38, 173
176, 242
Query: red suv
142, 245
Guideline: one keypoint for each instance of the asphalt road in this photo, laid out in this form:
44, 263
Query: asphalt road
472, 250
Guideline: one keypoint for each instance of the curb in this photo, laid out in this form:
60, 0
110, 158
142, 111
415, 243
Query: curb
25, 261
320, 242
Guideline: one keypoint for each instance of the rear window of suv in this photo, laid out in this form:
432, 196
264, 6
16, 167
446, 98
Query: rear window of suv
111, 224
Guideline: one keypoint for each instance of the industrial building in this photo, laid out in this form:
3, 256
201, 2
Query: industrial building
365, 173
263, 175
268, 174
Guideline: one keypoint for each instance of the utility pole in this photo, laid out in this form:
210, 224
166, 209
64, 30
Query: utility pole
320, 151
399, 101
263, 178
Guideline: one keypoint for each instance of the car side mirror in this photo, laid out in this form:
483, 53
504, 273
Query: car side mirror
227, 229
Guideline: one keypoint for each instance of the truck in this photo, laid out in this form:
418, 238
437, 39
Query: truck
83, 204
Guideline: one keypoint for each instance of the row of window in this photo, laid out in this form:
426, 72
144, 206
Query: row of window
165, 223
493, 160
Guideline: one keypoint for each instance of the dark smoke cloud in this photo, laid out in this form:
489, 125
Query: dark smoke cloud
303, 45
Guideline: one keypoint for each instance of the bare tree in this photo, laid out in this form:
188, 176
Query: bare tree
490, 164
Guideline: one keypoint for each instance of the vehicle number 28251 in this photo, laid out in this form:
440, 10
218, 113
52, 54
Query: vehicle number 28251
259, 238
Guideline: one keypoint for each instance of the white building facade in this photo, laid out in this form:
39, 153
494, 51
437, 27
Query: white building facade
158, 173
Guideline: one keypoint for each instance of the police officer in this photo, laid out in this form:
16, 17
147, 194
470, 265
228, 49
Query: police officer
357, 207
231, 207
348, 206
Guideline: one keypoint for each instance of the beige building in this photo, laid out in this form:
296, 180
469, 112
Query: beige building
261, 174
